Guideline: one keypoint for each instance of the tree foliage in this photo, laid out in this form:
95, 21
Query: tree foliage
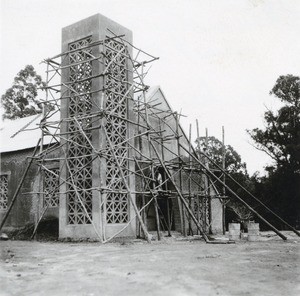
21, 100
213, 148
281, 137
237, 169
281, 140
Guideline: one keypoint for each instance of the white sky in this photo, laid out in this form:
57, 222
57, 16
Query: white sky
218, 59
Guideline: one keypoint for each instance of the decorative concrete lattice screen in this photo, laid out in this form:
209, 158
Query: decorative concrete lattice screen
202, 211
117, 202
79, 149
51, 188
3, 191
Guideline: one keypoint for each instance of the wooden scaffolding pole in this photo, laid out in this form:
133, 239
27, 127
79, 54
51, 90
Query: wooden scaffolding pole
255, 198
163, 178
179, 192
20, 185
224, 181
147, 235
180, 206
152, 168
189, 180
210, 173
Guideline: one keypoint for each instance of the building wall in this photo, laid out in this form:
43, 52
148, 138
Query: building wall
93, 29
162, 119
28, 204
23, 212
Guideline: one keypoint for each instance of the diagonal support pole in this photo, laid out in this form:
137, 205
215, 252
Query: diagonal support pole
209, 172
20, 185
180, 194
147, 235
251, 195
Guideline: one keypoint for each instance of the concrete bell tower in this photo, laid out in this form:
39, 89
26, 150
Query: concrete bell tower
96, 103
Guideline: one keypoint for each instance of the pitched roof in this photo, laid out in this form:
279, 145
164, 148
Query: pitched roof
24, 133
21, 133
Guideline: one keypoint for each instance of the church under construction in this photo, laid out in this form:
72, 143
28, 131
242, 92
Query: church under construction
107, 157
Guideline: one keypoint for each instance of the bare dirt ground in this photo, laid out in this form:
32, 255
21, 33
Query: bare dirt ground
174, 266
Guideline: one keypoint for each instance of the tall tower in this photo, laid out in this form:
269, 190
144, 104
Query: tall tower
96, 108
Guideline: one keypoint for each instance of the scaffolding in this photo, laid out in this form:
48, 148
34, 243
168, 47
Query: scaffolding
154, 154
155, 127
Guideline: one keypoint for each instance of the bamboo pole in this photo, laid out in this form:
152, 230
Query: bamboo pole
255, 198
49, 61
38, 222
179, 193
200, 186
224, 180
228, 175
40, 179
237, 197
206, 200
127, 187
82, 48
19, 185
157, 217
154, 195
80, 200
189, 180
127, 224
152, 168
181, 212
166, 184
125, 41
144, 214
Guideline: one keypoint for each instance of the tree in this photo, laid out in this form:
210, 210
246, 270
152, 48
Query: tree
21, 100
281, 137
213, 148
281, 141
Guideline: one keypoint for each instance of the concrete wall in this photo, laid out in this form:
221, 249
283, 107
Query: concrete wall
28, 204
13, 164
96, 27
26, 208
169, 151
